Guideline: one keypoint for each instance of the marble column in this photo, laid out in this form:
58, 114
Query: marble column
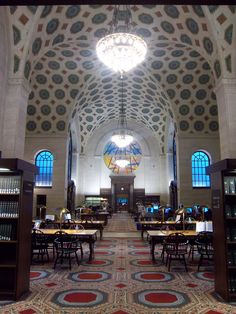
226, 99
15, 118
131, 197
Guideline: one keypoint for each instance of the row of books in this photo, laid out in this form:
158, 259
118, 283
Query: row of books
230, 210
232, 284
9, 209
10, 185
230, 185
232, 258
7, 232
231, 234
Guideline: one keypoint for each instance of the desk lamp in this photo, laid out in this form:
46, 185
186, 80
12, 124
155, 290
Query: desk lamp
62, 212
181, 211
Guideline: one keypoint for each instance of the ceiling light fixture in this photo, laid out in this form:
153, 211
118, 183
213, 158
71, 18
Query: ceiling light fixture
120, 49
122, 137
122, 163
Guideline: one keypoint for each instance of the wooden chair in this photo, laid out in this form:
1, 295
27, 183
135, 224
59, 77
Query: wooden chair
176, 246
39, 245
204, 242
165, 227
66, 246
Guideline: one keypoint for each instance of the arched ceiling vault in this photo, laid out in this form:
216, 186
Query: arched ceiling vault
189, 50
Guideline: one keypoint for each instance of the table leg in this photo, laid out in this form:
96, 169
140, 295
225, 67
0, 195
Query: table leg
101, 233
153, 248
91, 249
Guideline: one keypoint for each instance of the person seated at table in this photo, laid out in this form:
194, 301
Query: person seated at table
149, 214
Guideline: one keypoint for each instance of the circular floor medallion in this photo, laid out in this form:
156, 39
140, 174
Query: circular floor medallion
89, 276
145, 262
97, 263
38, 274
152, 276
206, 275
80, 298
161, 298
140, 253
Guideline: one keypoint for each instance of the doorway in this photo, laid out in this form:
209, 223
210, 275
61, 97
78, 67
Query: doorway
122, 193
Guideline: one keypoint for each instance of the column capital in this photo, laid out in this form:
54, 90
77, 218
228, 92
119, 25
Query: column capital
20, 82
224, 82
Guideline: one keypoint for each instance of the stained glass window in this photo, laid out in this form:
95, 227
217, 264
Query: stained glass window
200, 161
132, 153
44, 161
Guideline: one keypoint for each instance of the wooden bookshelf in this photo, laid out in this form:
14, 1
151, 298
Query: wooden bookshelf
16, 201
223, 178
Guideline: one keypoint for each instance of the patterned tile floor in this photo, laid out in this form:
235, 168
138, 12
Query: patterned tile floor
121, 279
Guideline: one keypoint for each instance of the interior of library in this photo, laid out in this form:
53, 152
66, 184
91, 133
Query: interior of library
117, 158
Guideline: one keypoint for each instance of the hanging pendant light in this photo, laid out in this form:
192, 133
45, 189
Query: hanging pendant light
122, 163
122, 137
121, 51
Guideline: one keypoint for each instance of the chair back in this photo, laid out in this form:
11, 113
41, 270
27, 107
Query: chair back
176, 243
38, 238
204, 243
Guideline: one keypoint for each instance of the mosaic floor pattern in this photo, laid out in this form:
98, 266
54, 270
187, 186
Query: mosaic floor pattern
121, 279
121, 222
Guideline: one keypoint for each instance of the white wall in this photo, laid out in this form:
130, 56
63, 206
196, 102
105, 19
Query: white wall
185, 148
151, 174
4, 54
56, 196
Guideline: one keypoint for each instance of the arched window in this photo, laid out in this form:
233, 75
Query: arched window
200, 161
44, 161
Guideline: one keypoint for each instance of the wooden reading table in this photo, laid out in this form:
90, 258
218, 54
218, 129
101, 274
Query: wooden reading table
157, 236
88, 236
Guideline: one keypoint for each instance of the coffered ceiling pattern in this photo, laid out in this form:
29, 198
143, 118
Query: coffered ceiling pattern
189, 50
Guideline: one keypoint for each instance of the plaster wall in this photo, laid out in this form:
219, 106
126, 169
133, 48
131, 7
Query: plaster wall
151, 174
3, 68
185, 148
56, 196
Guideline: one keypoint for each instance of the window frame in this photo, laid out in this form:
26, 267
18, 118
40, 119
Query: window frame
202, 174
47, 174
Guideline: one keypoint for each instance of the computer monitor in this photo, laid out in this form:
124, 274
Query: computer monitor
155, 208
205, 209
149, 209
189, 210
122, 200
167, 210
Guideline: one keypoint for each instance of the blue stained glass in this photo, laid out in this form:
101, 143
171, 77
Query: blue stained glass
44, 162
200, 161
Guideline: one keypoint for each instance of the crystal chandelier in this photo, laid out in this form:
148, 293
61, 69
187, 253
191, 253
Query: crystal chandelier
122, 137
121, 50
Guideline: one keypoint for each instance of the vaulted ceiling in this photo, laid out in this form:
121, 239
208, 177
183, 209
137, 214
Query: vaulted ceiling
189, 49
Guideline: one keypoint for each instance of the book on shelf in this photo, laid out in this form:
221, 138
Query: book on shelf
230, 258
8, 209
233, 210
233, 234
10, 185
204, 226
231, 185
226, 185
7, 232
228, 211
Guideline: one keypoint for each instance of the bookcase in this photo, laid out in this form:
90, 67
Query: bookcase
223, 179
16, 201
